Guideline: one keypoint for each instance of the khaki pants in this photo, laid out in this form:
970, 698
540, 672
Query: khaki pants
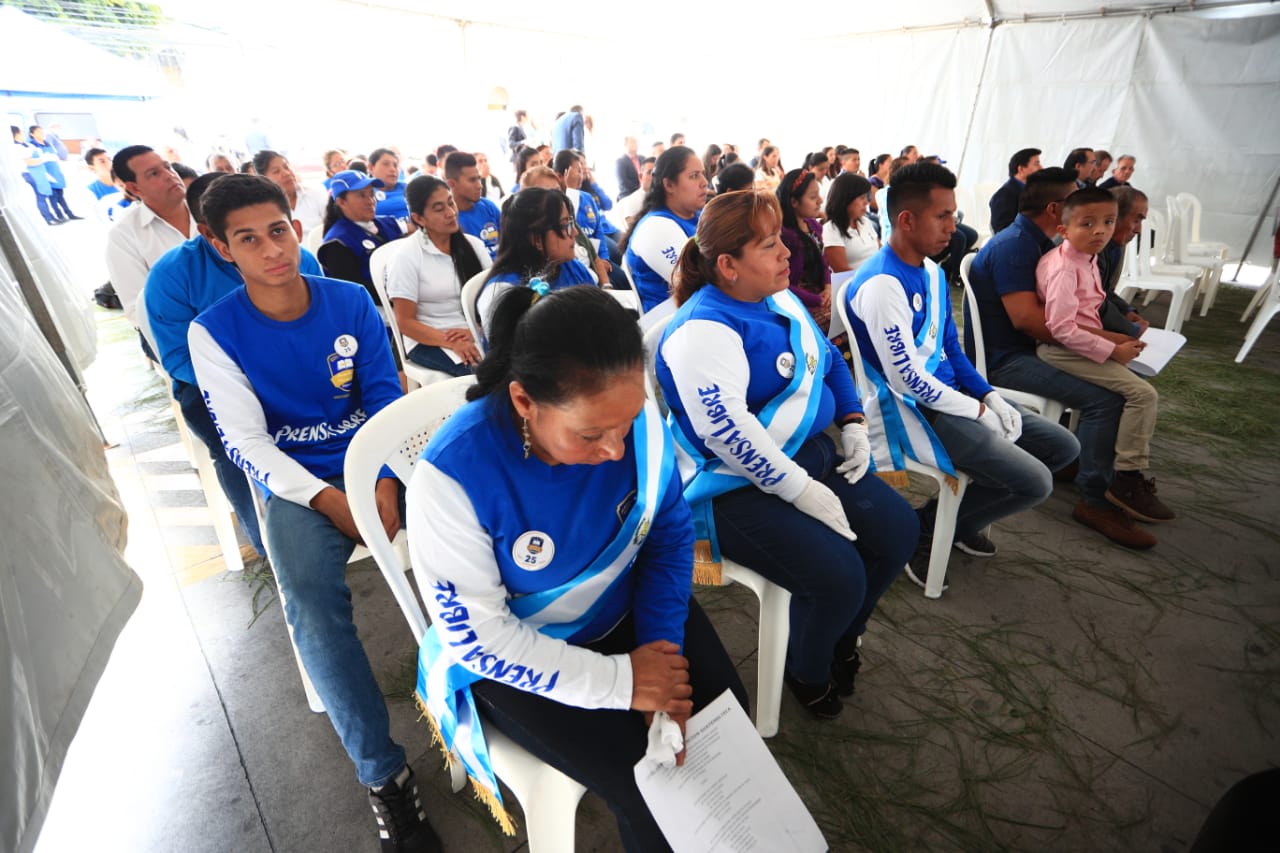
1137, 421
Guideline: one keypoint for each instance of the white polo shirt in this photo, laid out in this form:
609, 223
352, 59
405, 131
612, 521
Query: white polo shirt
427, 276
136, 241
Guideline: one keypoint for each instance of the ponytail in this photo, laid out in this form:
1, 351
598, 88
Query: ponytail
691, 274
559, 346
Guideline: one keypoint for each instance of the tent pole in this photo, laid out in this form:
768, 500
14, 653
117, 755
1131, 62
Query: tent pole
977, 93
1257, 226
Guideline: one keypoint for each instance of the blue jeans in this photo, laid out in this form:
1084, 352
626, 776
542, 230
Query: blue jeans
1007, 477
834, 583
230, 477
309, 556
1099, 415
42, 201
434, 358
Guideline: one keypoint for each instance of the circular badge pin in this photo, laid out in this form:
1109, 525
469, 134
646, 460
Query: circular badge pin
368, 244
917, 303
346, 345
786, 365
533, 551
379, 195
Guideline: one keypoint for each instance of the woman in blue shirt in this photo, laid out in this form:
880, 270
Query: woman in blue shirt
553, 548
353, 231
665, 222
752, 384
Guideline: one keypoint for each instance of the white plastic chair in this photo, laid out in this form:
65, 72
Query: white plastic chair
944, 526
395, 437
198, 455
1050, 409
775, 601
1260, 295
1192, 209
470, 294
378, 263
314, 238
1139, 275
1268, 307
1179, 252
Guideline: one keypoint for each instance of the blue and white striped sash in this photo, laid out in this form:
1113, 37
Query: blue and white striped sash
444, 687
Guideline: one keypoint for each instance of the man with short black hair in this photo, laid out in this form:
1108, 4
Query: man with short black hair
1004, 203
143, 233
477, 216
291, 366
1082, 161
1003, 277
677, 138
930, 403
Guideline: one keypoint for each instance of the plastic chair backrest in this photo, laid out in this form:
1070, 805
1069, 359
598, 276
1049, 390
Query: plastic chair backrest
653, 337
395, 437
379, 261
973, 322
841, 307
1191, 205
313, 239
470, 295
1157, 225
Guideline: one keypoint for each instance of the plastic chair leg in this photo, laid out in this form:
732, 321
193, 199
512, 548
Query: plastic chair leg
220, 510
313, 698
1177, 310
1213, 278
550, 814
1259, 297
184, 432
1255, 331
944, 531
775, 631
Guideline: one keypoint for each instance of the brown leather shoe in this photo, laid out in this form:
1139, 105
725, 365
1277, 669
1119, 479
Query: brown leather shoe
1113, 523
1137, 496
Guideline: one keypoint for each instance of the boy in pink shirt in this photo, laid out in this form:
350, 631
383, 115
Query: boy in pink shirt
1068, 284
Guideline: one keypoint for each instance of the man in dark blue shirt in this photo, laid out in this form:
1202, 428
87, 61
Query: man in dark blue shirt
1004, 203
1003, 278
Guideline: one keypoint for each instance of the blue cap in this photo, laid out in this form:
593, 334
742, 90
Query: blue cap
351, 180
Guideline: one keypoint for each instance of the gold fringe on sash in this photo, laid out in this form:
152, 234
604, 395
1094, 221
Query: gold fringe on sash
483, 794
900, 480
706, 571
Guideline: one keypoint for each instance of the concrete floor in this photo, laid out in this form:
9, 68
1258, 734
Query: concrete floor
1064, 695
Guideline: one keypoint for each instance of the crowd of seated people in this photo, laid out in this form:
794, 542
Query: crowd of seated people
738, 260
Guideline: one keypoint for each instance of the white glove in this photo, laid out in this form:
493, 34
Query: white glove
1010, 418
817, 501
991, 421
857, 451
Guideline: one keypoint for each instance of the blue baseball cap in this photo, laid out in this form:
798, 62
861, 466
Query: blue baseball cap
351, 180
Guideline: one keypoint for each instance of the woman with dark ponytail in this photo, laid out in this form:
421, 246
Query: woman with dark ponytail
425, 284
667, 219
752, 383
810, 275
550, 535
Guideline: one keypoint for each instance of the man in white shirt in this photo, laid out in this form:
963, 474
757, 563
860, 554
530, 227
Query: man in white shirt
147, 229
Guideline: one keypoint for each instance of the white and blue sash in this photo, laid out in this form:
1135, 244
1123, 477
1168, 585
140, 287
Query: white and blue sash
788, 418
444, 687
897, 428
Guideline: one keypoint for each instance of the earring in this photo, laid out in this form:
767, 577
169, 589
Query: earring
524, 433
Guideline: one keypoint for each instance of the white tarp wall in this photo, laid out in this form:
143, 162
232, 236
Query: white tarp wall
1195, 99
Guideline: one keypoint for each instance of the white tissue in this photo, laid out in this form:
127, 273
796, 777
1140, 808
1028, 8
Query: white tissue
665, 741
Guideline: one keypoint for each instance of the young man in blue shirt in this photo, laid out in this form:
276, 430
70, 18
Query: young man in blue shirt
291, 366
478, 216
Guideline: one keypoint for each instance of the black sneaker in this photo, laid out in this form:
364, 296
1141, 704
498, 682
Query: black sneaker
843, 673
819, 699
976, 545
402, 824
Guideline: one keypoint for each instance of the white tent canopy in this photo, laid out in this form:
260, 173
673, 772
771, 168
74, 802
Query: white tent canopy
1194, 94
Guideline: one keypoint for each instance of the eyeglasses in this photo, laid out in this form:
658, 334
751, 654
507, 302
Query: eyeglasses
565, 228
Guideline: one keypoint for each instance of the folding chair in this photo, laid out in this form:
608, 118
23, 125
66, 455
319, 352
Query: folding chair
395, 437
